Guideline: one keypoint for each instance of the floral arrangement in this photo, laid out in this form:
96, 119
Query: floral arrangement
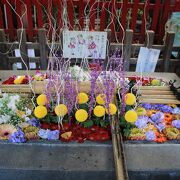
150, 122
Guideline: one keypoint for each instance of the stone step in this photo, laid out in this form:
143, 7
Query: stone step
90, 160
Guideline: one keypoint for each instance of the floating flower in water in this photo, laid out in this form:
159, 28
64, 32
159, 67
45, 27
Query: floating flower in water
82, 98
166, 109
66, 135
131, 116
147, 106
112, 109
176, 110
31, 132
99, 111
53, 135
130, 99
61, 110
158, 117
172, 133
100, 99
176, 124
6, 130
141, 122
160, 126
136, 134
34, 122
18, 137
81, 115
150, 135
42, 133
40, 112
141, 111
41, 100
47, 134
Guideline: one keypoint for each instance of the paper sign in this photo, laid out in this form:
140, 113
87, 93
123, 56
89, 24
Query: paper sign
147, 60
84, 44
30, 52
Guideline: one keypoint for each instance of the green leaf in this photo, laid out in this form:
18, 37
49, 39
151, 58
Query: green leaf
88, 123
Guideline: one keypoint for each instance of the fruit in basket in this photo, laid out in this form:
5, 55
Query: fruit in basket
131, 116
19, 79
141, 111
61, 110
41, 100
130, 99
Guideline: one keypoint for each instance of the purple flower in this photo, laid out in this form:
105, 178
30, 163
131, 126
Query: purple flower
176, 124
17, 137
47, 134
160, 126
176, 110
166, 109
147, 106
157, 117
53, 135
42, 133
34, 122
141, 122
150, 136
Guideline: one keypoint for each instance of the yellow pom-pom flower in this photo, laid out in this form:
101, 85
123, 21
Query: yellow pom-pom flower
99, 111
41, 100
130, 99
100, 99
81, 115
40, 112
131, 116
82, 98
19, 79
112, 109
61, 110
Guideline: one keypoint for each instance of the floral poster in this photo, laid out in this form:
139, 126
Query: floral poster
84, 44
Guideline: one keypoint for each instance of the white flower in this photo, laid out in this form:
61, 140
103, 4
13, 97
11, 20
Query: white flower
5, 95
11, 105
26, 118
28, 112
4, 119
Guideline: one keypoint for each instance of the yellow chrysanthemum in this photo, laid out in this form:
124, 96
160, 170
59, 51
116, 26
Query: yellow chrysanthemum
100, 99
61, 110
41, 100
112, 109
40, 112
82, 98
130, 99
99, 111
19, 79
131, 116
81, 115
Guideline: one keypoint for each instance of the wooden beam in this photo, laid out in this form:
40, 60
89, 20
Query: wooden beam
127, 48
21, 33
3, 48
42, 42
167, 51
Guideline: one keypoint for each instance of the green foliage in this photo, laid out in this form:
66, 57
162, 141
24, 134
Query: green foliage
88, 123
126, 126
